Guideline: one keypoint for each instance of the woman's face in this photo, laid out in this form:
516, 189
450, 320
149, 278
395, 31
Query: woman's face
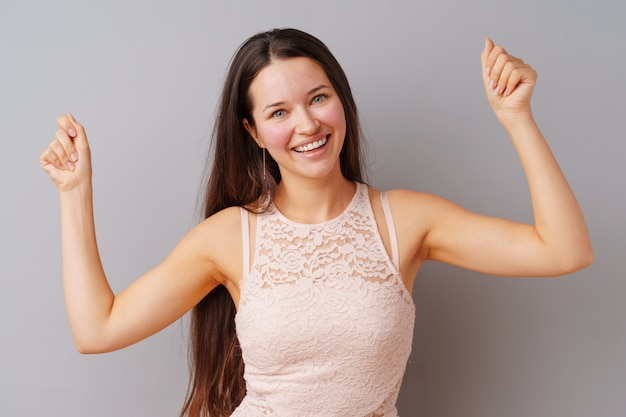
298, 117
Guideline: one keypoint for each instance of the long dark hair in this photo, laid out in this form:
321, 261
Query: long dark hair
237, 178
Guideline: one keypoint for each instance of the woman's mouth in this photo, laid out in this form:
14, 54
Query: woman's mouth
312, 146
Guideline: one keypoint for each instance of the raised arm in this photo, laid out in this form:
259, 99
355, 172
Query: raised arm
101, 321
557, 243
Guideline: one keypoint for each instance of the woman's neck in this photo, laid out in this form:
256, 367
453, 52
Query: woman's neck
314, 201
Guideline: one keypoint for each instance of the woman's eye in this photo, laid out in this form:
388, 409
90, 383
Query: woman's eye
319, 98
278, 114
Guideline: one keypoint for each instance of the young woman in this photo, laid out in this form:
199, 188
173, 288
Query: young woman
313, 266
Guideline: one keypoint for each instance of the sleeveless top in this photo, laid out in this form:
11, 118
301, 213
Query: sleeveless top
325, 321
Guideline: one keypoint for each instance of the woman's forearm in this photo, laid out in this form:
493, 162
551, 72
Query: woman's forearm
559, 220
88, 297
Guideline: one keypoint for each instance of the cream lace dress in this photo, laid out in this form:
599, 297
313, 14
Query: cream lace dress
324, 320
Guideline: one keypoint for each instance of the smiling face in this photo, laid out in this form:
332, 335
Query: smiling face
298, 116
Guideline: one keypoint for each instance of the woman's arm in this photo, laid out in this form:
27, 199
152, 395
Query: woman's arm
101, 321
557, 243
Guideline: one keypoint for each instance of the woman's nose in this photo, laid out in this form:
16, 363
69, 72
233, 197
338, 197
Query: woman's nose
306, 123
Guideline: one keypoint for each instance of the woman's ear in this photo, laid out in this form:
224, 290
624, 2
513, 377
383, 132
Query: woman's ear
252, 131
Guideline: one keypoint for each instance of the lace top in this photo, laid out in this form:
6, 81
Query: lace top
324, 320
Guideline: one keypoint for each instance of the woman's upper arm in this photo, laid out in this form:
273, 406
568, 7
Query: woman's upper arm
449, 233
180, 281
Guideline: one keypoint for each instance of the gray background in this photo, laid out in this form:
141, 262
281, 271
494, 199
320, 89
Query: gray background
144, 76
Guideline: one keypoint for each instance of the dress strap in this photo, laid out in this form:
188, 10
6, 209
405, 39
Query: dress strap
245, 241
393, 240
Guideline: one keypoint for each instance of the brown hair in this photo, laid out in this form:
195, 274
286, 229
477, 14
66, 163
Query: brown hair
237, 178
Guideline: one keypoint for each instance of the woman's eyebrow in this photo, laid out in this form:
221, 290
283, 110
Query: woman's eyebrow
319, 87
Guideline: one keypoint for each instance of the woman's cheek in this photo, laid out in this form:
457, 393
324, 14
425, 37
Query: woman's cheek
336, 116
276, 136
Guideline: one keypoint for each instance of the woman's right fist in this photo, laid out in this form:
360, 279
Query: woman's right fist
67, 159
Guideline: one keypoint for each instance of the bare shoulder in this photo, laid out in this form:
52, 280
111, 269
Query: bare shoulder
416, 215
423, 211
425, 207
405, 203
413, 214
217, 240
223, 220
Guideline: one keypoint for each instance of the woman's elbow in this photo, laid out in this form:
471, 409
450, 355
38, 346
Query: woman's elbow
586, 259
87, 346
581, 259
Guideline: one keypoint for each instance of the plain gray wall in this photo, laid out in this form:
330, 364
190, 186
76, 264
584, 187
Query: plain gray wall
144, 76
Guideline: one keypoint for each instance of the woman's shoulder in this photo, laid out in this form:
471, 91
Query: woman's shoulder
408, 204
223, 223
405, 197
218, 239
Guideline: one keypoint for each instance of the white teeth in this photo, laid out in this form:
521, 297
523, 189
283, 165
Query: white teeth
312, 145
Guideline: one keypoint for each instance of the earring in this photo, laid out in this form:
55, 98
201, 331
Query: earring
264, 164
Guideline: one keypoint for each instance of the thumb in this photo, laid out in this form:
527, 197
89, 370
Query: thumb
485, 55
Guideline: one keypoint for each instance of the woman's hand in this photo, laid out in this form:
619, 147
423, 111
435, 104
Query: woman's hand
509, 82
67, 159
